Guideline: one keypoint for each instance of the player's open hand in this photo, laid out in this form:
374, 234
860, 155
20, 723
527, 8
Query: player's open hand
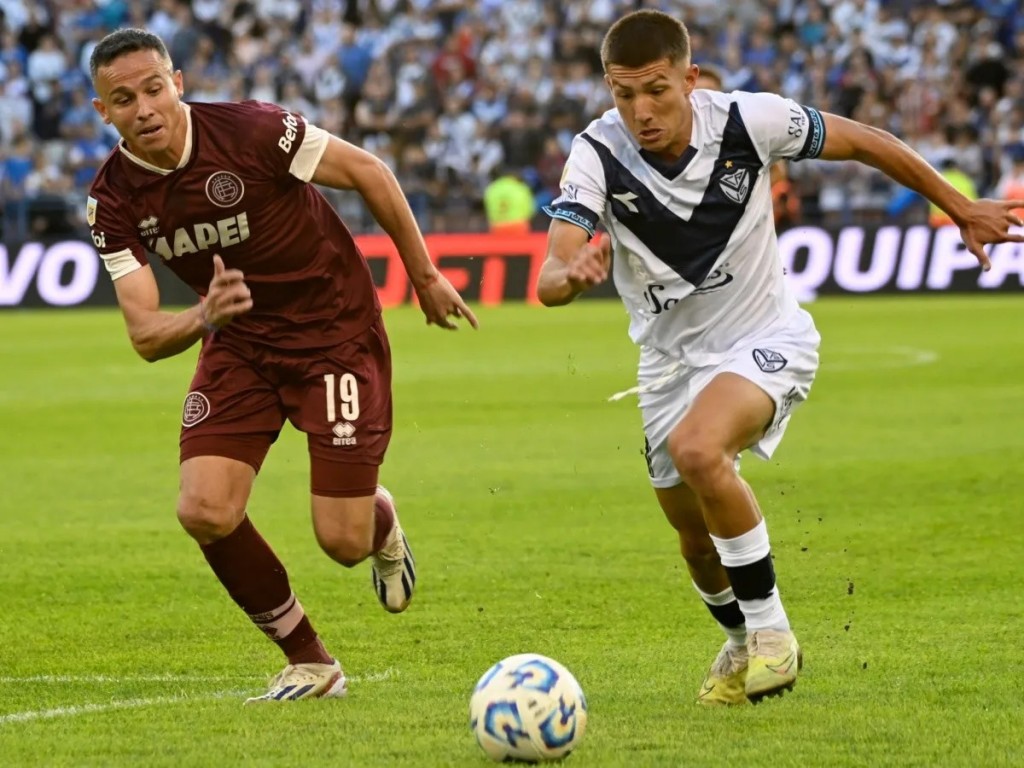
589, 267
989, 221
228, 295
440, 302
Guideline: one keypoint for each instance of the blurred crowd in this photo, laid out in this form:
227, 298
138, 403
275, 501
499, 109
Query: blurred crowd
474, 103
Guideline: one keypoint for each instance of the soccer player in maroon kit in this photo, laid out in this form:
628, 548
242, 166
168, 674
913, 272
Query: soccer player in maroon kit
288, 317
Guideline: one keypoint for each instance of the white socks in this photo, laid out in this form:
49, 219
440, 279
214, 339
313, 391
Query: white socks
747, 559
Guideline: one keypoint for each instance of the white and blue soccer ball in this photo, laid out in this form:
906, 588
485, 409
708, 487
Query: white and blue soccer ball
528, 707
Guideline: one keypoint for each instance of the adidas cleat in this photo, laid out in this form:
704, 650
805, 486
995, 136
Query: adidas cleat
305, 681
393, 567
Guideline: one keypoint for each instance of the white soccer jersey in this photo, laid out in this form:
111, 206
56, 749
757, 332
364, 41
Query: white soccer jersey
696, 257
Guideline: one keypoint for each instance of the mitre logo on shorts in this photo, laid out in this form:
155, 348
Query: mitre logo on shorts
196, 408
344, 433
769, 360
224, 189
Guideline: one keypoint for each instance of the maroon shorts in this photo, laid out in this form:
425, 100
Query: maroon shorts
339, 396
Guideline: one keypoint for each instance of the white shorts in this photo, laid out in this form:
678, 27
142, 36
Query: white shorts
783, 364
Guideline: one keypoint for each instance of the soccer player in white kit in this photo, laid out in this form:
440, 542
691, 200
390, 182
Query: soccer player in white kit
679, 178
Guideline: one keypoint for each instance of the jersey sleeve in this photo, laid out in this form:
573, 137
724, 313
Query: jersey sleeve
780, 128
284, 142
583, 190
114, 235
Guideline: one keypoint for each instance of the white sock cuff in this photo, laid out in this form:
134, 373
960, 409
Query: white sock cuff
722, 598
744, 549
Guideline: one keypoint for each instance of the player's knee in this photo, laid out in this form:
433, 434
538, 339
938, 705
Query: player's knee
206, 520
347, 546
700, 462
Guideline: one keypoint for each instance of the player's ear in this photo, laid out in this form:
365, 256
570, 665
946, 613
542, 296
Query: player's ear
690, 78
101, 108
179, 82
690, 74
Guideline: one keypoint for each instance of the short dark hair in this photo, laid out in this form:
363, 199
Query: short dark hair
641, 37
122, 41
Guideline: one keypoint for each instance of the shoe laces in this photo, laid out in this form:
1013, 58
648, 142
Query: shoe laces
293, 674
671, 374
388, 560
729, 660
768, 642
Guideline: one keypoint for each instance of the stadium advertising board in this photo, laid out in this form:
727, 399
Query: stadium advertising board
491, 269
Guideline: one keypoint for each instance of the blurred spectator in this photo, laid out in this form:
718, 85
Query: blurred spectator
709, 78
963, 183
446, 90
1011, 183
509, 203
785, 201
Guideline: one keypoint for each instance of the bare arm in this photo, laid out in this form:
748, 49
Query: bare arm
980, 221
156, 334
572, 265
850, 140
346, 166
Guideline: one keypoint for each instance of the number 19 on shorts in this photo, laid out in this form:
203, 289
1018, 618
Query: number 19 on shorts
343, 399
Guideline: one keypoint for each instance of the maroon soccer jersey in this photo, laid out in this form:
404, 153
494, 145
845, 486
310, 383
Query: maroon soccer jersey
241, 191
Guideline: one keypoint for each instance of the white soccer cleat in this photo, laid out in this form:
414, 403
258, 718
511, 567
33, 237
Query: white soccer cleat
394, 568
305, 681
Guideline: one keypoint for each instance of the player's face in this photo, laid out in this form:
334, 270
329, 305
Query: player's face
654, 101
141, 97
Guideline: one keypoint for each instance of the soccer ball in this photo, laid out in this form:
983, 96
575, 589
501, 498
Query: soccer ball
528, 707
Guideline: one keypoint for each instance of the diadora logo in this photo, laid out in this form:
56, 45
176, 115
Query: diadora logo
627, 198
344, 433
200, 237
736, 185
769, 360
291, 131
149, 226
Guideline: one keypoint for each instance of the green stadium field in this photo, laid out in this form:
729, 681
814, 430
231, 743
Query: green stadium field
894, 506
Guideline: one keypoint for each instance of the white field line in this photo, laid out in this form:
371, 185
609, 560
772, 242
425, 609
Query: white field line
371, 677
86, 709
868, 358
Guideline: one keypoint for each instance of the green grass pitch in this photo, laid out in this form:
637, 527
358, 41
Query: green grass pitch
894, 506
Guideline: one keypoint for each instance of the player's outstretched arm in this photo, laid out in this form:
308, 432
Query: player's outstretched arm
573, 264
346, 166
156, 334
980, 221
